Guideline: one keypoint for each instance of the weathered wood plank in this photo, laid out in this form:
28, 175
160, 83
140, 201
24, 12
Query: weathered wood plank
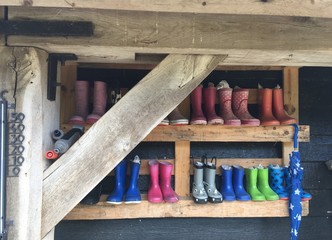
23, 72
119, 130
247, 40
305, 8
182, 168
184, 208
2, 37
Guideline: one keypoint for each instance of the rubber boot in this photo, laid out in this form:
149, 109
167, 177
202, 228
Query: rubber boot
165, 170
176, 118
209, 96
214, 196
81, 103
226, 113
226, 190
240, 107
154, 192
251, 184
197, 116
278, 108
240, 192
93, 196
133, 194
305, 196
265, 107
164, 122
116, 197
198, 192
263, 184
276, 179
99, 102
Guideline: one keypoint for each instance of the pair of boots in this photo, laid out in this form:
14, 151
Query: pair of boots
175, 118
132, 194
233, 106
160, 183
271, 107
204, 188
257, 184
232, 183
82, 102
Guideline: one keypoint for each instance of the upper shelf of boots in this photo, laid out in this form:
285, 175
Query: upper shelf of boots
222, 133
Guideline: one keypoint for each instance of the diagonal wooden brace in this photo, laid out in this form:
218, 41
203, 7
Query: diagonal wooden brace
121, 129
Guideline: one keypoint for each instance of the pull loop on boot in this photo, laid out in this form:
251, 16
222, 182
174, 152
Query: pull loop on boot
165, 170
278, 108
227, 190
226, 113
81, 103
251, 184
240, 107
116, 197
99, 102
209, 180
198, 192
240, 192
154, 192
263, 184
197, 116
265, 108
133, 194
209, 96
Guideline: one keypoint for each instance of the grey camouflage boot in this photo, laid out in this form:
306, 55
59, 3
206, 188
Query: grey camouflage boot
214, 196
198, 191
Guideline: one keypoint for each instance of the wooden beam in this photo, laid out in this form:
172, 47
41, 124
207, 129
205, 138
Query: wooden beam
305, 8
247, 40
182, 168
23, 72
122, 128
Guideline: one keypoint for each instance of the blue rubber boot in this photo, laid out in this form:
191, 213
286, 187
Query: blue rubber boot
305, 196
226, 183
116, 197
276, 180
240, 192
133, 194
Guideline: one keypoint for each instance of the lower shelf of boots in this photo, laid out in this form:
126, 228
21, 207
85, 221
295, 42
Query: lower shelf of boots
184, 208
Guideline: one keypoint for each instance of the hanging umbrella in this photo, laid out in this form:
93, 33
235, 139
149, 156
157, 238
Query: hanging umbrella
295, 172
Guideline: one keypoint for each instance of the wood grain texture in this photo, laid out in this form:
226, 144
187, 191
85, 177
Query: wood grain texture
182, 168
247, 40
304, 8
184, 208
123, 127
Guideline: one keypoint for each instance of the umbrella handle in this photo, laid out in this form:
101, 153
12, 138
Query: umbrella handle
296, 131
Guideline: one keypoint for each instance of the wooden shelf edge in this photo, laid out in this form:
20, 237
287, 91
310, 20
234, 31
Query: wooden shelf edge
184, 208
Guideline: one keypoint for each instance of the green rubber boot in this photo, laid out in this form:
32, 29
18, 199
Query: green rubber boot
263, 184
251, 184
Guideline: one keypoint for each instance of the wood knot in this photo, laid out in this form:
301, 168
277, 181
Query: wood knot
204, 4
27, 3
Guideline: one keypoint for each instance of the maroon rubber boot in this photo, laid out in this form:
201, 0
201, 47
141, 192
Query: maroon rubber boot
176, 118
81, 103
197, 116
165, 170
240, 107
265, 107
99, 102
154, 192
226, 113
278, 108
209, 96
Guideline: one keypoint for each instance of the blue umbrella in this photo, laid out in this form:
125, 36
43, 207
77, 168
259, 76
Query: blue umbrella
295, 174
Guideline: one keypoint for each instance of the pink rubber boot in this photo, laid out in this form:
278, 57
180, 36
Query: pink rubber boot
176, 118
209, 96
278, 108
225, 100
197, 116
240, 107
154, 192
165, 170
81, 102
99, 102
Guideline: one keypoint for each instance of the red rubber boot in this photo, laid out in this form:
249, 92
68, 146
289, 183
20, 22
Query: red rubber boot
99, 102
209, 96
265, 107
81, 102
154, 192
225, 100
278, 108
240, 107
197, 116
165, 169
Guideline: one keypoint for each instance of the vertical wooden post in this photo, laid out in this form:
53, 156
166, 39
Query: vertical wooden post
23, 73
182, 168
2, 37
291, 103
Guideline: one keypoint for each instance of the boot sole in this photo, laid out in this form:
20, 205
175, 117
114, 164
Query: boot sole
200, 201
215, 200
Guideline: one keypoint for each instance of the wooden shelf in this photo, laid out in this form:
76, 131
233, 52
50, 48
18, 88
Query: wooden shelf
184, 208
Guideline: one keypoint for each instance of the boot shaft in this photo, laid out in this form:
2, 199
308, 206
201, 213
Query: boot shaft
120, 173
81, 98
240, 101
99, 97
265, 101
227, 173
210, 174
154, 171
165, 171
198, 173
209, 95
134, 171
225, 100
